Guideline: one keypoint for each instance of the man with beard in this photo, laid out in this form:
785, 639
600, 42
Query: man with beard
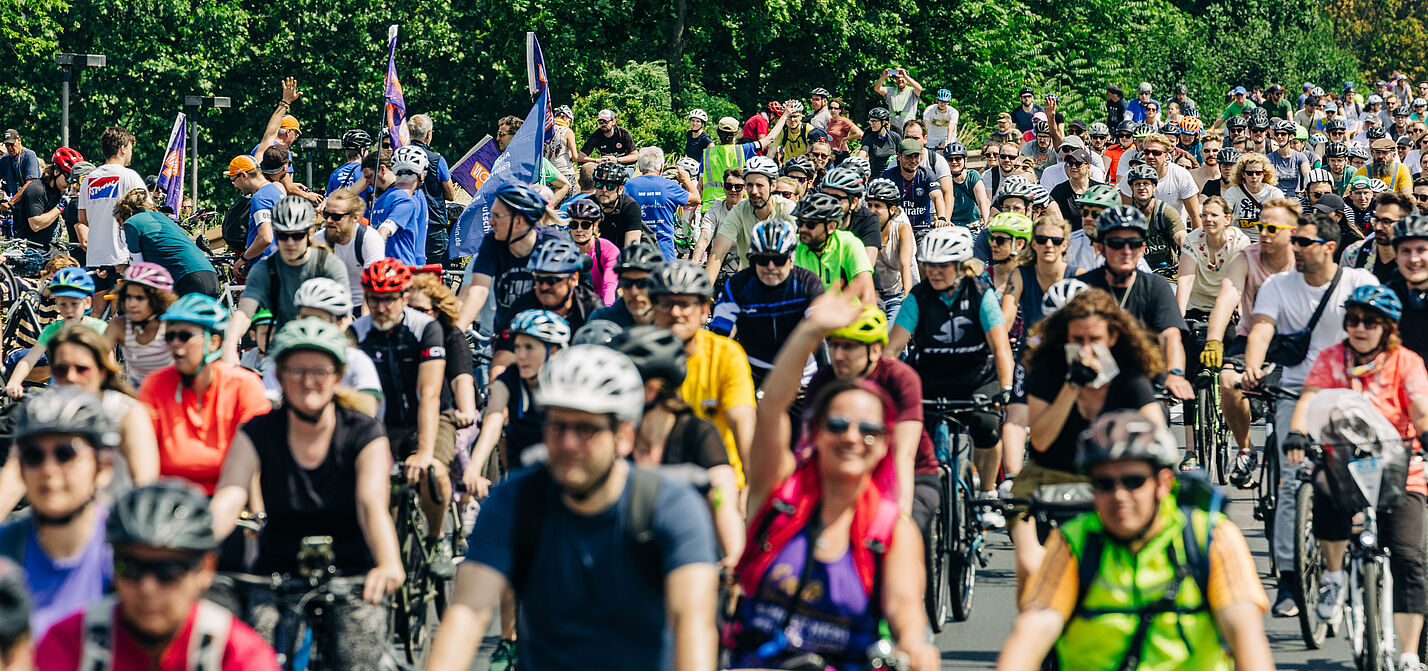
611, 140
355, 245
1175, 187
836, 256
726, 154
1097, 138
634, 267
1209, 169
1410, 243
555, 271
1039, 149
624, 222
1387, 167
1376, 253
759, 205
518, 213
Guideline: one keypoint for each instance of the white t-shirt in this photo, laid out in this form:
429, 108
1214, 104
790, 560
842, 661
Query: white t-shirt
361, 375
100, 192
1290, 301
940, 125
1173, 189
1244, 210
819, 119
374, 247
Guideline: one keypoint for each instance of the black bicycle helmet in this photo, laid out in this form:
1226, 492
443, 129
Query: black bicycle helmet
357, 139
609, 172
1142, 172
1170, 128
167, 514
818, 207
585, 209
682, 278
1127, 126
15, 603
799, 164
884, 191
1229, 155
66, 409
1119, 218
658, 353
642, 255
1402, 110
879, 114
1376, 133
557, 257
954, 149
1335, 124
1336, 150
596, 332
1236, 122
1411, 227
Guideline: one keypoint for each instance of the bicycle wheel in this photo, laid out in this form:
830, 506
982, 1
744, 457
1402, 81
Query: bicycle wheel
962, 566
1267, 493
457, 540
935, 556
1370, 654
1309, 563
411, 601
1207, 448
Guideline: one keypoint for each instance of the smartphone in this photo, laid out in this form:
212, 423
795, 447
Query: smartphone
891, 72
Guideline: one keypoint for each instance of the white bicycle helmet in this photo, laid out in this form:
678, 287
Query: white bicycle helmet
1378, 185
1059, 294
699, 114
293, 214
543, 325
326, 294
410, 160
689, 165
949, 244
793, 107
593, 379
762, 165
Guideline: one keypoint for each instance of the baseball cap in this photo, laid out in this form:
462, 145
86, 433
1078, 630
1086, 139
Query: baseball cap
1359, 182
240, 164
1239, 91
1039, 116
1003, 115
944, 94
12, 136
1275, 88
1027, 90
274, 162
1082, 155
1144, 87
1348, 86
1372, 119
728, 124
1383, 144
1331, 107
908, 147
1375, 99
1405, 141
1078, 125
607, 115
1073, 141
1329, 203
290, 122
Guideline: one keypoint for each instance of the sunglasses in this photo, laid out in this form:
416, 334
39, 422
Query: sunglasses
819, 154
291, 236
785, 194
1122, 243
1125, 136
840, 425
1155, 152
808, 224
1253, 173
548, 280
834, 108
1130, 483
334, 216
1067, 150
1420, 197
1001, 239
62, 370
1044, 239
1007, 157
1075, 164
1271, 228
606, 186
178, 336
166, 571
1100, 137
582, 224
631, 283
768, 259
1303, 241
34, 456
1355, 321
733, 187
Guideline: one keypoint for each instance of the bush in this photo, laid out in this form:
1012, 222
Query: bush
639, 92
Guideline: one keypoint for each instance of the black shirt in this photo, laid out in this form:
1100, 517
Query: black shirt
1413, 325
880, 149
1065, 198
1131, 390
617, 144
583, 303
1212, 188
627, 216
1385, 272
398, 354
35, 201
1149, 299
864, 224
458, 362
693, 440
1115, 112
525, 418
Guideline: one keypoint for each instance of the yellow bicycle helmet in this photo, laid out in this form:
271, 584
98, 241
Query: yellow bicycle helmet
870, 327
1014, 224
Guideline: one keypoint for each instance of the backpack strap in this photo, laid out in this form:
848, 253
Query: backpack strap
532, 504
644, 488
357, 246
1087, 568
97, 629
208, 639
1197, 549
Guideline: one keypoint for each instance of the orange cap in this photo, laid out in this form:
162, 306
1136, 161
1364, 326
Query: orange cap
240, 164
290, 122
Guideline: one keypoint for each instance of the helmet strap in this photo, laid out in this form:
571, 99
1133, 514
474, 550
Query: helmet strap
867, 366
61, 520
595, 486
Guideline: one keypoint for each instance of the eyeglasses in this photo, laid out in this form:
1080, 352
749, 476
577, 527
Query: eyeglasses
1091, 211
785, 193
607, 186
180, 335
319, 373
555, 428
582, 224
733, 187
1304, 241
34, 456
290, 236
334, 216
1355, 321
603, 122
548, 280
1001, 239
1053, 240
166, 571
1122, 243
1100, 137
840, 425
381, 299
1155, 152
1420, 197
1107, 485
768, 259
1067, 150
62, 370
632, 283
1385, 221
669, 303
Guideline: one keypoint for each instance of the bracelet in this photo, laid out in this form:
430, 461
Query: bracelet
284, 103
1176, 371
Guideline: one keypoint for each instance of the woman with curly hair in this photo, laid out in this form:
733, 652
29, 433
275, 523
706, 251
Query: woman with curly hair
1251, 186
428, 294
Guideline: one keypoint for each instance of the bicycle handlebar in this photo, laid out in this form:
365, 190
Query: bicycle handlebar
957, 406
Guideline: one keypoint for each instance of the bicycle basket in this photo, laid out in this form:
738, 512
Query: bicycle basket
1365, 460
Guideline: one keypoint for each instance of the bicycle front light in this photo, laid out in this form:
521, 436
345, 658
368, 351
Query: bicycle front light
1368, 539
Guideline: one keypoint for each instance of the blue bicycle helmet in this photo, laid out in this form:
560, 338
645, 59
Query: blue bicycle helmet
543, 325
199, 310
523, 199
774, 236
557, 257
1378, 297
73, 282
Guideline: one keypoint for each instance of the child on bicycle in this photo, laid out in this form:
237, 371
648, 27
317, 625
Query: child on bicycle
145, 292
72, 289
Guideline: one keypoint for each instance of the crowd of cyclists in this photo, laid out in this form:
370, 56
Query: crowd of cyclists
713, 408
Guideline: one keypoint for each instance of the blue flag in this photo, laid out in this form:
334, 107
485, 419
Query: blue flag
395, 103
171, 172
521, 162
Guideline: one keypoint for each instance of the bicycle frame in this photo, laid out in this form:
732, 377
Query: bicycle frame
1369, 612
956, 535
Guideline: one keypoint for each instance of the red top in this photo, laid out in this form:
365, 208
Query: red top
1390, 382
194, 434
63, 646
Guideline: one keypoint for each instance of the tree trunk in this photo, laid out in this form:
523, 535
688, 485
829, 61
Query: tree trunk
674, 59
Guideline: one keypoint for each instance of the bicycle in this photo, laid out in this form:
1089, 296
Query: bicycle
1267, 484
1211, 433
954, 540
422, 590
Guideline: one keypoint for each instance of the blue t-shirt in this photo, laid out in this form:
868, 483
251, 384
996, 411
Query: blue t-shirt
916, 195
659, 198
345, 176
60, 587
509, 278
408, 213
990, 312
586, 606
261, 212
161, 241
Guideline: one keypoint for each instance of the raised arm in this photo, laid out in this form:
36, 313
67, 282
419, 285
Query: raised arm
275, 122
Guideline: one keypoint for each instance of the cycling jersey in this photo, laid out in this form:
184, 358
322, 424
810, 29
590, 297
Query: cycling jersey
765, 315
916, 195
949, 336
525, 419
406, 214
203, 638
398, 354
195, 430
842, 258
718, 380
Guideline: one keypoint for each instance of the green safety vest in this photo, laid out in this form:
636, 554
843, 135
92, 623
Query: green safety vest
1158, 584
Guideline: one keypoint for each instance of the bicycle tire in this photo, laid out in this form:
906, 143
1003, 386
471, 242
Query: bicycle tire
1309, 563
935, 554
452, 532
1267, 493
411, 603
1206, 449
1370, 655
962, 567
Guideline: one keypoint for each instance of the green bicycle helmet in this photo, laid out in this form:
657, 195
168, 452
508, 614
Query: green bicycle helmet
262, 316
313, 334
1100, 195
870, 327
1014, 224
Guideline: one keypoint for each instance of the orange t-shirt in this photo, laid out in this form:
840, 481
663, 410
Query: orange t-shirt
194, 434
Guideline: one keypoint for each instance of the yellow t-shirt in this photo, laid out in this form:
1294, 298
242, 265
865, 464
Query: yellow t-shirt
718, 380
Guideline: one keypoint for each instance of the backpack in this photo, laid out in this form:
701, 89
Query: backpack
533, 502
235, 224
357, 246
207, 640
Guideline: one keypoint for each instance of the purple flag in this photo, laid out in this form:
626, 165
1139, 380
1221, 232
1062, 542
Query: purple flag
396, 104
171, 173
473, 168
521, 162
537, 80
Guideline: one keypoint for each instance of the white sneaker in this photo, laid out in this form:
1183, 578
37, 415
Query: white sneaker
991, 518
1409, 662
1331, 598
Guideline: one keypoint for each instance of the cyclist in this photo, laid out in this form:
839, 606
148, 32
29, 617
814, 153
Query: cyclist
847, 184
556, 267
429, 296
1376, 252
1372, 360
355, 143
624, 222
399, 214
1239, 285
920, 188
968, 202
829, 516
1114, 621
521, 221
156, 239
593, 396
894, 270
326, 299
274, 280
60, 540
409, 350
761, 304
959, 344
164, 560
759, 204
713, 216
1285, 305
1410, 239
719, 385
880, 142
660, 197
146, 291
1165, 231
322, 467
585, 216
836, 256
71, 289
263, 194
634, 267
511, 411
1080, 248
355, 244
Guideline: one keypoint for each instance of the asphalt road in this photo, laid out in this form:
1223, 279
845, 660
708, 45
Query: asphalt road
974, 644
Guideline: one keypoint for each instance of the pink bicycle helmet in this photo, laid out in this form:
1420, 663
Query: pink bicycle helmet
150, 275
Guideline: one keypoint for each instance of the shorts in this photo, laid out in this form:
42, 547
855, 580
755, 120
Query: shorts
404, 439
199, 282
1235, 351
1033, 476
926, 499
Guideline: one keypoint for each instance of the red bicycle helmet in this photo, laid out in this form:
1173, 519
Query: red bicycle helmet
776, 108
386, 276
65, 158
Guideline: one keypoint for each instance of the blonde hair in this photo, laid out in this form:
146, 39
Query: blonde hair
132, 203
1291, 204
442, 300
349, 200
1028, 255
1161, 138
1223, 204
1271, 176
